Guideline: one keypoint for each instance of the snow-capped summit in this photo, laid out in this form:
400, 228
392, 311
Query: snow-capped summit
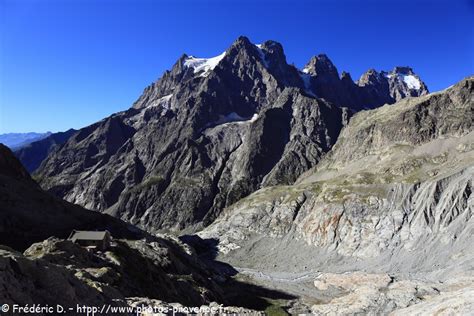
406, 75
203, 66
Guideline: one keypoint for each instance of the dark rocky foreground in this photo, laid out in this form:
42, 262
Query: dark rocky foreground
137, 270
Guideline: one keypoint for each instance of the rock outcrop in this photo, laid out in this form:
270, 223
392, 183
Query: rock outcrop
60, 272
206, 134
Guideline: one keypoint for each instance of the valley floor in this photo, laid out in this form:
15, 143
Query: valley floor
347, 288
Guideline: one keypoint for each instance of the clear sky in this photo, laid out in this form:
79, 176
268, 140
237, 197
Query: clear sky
70, 63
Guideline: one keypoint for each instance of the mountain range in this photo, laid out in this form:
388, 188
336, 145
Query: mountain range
292, 190
211, 131
18, 140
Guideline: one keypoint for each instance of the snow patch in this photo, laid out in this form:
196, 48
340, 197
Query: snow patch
254, 118
412, 82
305, 70
262, 55
164, 102
233, 118
204, 65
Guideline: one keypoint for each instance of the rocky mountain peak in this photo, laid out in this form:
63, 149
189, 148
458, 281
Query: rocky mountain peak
241, 42
321, 65
345, 76
389, 87
274, 52
404, 70
211, 130
371, 76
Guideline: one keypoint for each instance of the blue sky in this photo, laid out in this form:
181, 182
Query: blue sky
70, 63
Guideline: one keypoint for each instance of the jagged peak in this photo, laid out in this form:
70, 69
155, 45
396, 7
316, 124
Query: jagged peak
242, 41
320, 64
272, 52
371, 71
407, 76
399, 77
371, 75
345, 76
405, 70
203, 66
272, 45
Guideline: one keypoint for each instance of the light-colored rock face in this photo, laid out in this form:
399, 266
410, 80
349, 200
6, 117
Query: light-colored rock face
457, 298
383, 186
380, 294
393, 196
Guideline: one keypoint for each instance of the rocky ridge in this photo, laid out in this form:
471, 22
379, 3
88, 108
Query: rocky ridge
373, 89
206, 134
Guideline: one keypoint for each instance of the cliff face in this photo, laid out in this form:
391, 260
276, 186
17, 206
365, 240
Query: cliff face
395, 191
208, 133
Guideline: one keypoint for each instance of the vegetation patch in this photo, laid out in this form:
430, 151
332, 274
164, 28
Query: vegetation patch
275, 309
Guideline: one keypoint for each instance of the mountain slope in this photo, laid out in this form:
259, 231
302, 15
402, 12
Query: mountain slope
206, 134
393, 196
380, 192
28, 214
32, 155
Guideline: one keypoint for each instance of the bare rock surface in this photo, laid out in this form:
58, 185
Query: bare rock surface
387, 213
209, 132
